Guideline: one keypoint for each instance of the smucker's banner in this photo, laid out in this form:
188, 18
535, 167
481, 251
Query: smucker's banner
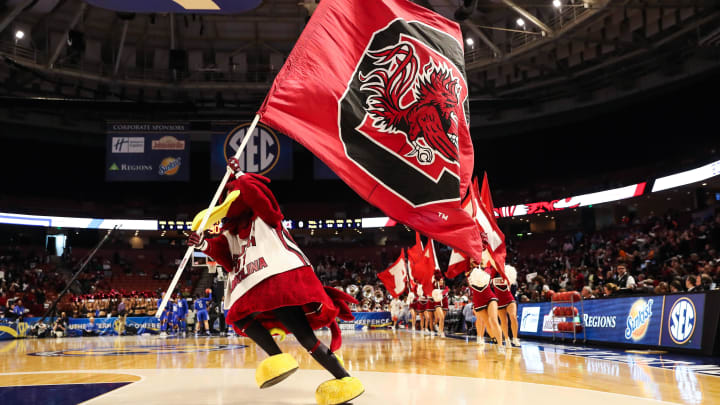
141, 151
268, 152
673, 321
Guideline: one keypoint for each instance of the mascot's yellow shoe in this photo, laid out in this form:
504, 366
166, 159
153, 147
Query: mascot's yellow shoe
275, 369
340, 391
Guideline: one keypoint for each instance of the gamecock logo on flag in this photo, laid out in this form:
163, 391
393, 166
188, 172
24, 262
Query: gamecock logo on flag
377, 91
412, 107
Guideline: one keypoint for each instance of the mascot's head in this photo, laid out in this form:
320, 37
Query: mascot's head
246, 196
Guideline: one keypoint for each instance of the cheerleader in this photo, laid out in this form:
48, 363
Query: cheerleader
412, 303
423, 310
485, 303
507, 307
440, 301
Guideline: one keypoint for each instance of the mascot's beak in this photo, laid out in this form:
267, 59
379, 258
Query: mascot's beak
216, 214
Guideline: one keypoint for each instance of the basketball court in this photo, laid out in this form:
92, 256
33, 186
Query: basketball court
395, 366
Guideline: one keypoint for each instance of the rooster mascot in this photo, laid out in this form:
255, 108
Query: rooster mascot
272, 288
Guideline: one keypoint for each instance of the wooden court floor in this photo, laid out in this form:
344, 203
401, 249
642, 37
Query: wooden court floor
395, 366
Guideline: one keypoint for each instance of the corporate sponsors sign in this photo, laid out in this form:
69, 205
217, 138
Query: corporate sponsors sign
147, 152
267, 152
668, 321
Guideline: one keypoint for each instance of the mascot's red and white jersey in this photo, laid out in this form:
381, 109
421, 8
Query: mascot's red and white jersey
264, 253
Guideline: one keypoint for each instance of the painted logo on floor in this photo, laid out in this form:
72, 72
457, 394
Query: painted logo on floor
137, 350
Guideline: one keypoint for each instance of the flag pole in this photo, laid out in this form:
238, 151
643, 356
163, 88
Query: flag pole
218, 192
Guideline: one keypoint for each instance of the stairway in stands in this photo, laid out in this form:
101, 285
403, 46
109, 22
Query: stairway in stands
205, 281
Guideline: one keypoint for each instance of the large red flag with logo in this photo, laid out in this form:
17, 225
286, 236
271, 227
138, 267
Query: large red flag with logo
377, 90
394, 276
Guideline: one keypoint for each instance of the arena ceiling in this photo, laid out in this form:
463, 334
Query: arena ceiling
566, 55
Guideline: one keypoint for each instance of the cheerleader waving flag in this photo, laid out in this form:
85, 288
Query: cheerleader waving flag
377, 91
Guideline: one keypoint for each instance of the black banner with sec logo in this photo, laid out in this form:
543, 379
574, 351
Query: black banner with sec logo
267, 152
138, 151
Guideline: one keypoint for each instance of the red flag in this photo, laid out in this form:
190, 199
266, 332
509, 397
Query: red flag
415, 253
394, 276
486, 219
422, 268
458, 264
377, 91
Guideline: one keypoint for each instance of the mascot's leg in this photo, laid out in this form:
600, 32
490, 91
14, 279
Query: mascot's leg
275, 368
338, 391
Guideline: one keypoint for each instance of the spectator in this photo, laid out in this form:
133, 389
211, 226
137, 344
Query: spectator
18, 310
91, 328
662, 288
610, 289
468, 315
624, 279
587, 293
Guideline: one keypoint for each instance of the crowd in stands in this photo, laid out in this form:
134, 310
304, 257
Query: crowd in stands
652, 255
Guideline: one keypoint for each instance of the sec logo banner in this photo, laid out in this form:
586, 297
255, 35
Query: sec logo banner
681, 322
261, 153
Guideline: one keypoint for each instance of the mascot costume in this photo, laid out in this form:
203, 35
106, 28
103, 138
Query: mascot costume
272, 288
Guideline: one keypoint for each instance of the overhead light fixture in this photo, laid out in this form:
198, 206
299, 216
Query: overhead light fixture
557, 3
19, 34
469, 41
520, 22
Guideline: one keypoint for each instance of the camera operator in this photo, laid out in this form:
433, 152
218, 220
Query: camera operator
61, 325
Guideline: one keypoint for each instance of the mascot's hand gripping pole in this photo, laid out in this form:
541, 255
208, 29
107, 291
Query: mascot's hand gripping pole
219, 191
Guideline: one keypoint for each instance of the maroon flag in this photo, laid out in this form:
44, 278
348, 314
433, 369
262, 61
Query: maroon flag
394, 276
377, 90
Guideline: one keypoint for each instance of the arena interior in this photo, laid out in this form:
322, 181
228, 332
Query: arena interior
509, 202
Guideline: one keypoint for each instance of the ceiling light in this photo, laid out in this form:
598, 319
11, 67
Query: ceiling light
19, 34
557, 3
469, 41
520, 22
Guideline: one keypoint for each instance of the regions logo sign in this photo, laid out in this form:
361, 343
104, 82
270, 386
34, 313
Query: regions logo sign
638, 319
599, 321
529, 319
261, 153
681, 323
130, 168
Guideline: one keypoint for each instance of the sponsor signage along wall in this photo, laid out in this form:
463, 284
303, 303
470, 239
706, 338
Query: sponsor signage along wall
529, 319
147, 152
103, 326
683, 317
631, 320
268, 152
